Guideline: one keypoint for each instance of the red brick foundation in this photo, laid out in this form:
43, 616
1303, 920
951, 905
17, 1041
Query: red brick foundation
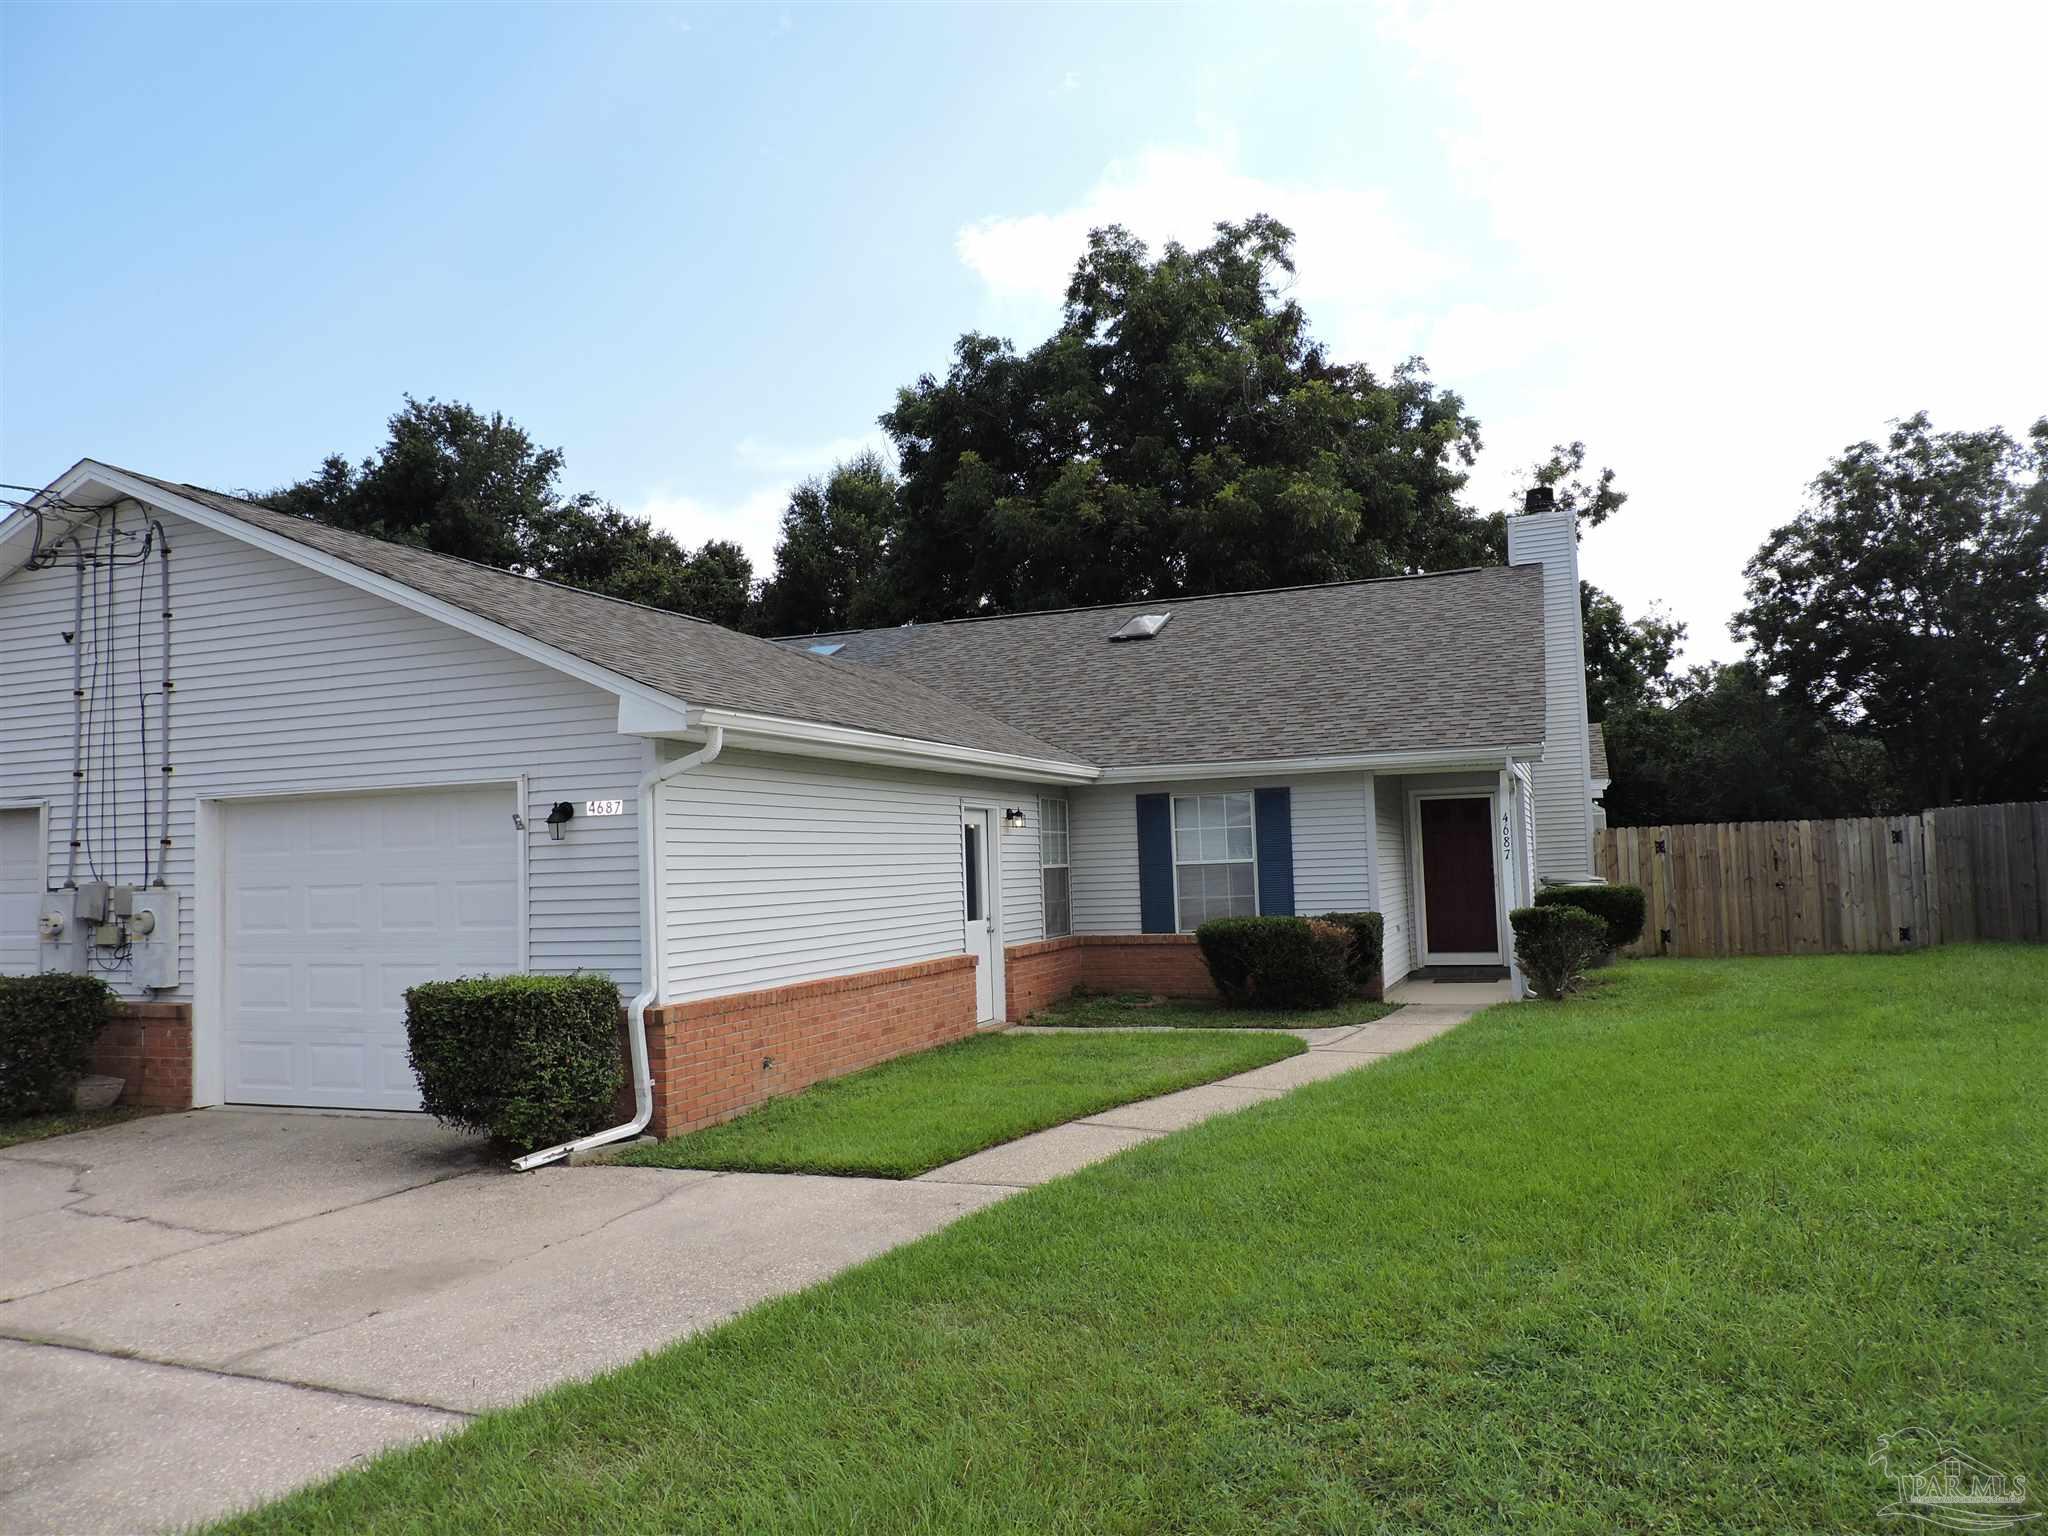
714, 1059
150, 1044
1165, 964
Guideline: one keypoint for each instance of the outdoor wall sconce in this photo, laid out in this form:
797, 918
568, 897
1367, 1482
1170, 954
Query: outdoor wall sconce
559, 818
1013, 818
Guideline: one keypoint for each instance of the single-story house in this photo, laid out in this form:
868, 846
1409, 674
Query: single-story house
264, 775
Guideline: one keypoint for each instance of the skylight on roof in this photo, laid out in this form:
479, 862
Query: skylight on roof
830, 648
1143, 627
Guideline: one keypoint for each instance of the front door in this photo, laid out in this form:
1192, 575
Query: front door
975, 843
1460, 918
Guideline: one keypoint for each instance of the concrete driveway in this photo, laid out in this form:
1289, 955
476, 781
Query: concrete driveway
201, 1311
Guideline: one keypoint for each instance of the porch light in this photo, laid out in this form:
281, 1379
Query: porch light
1013, 818
559, 818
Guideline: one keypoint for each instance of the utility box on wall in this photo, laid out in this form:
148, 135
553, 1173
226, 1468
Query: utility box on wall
153, 932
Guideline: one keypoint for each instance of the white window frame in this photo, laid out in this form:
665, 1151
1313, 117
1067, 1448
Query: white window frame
1066, 837
1173, 831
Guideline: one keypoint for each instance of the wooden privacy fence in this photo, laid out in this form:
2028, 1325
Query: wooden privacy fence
1854, 885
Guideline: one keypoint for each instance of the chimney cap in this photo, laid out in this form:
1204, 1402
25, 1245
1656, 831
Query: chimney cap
1539, 498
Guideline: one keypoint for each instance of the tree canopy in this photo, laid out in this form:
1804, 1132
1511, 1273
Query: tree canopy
1179, 432
453, 480
1910, 600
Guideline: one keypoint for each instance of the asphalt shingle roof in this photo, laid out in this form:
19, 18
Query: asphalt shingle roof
1407, 664
689, 659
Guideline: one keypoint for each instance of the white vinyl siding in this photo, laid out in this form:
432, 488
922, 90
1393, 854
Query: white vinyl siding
1330, 851
288, 680
780, 870
1390, 808
1564, 823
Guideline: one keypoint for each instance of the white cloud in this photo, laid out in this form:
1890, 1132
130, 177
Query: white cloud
752, 521
1359, 266
805, 459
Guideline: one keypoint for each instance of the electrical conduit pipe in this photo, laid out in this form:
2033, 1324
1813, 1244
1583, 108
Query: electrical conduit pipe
650, 955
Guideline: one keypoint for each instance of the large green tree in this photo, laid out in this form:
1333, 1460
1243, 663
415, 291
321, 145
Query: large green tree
831, 563
1910, 600
454, 480
1724, 745
1180, 432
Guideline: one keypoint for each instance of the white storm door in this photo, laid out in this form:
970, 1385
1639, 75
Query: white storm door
335, 905
976, 844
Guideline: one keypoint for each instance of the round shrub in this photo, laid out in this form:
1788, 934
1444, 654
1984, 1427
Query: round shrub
47, 1027
1368, 948
1556, 945
1622, 908
1277, 962
530, 1060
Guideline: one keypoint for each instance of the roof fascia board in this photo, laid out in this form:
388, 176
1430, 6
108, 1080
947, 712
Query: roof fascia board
806, 738
369, 581
1378, 762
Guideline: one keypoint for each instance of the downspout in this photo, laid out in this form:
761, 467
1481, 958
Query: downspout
650, 956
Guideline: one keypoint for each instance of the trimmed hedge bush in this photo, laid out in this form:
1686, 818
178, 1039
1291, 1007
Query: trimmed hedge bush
1556, 946
1362, 965
47, 1026
1623, 908
1277, 962
530, 1060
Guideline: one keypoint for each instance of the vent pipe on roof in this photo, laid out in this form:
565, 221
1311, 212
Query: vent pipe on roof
1539, 498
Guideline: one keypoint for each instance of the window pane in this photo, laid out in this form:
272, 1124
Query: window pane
1216, 882
1187, 847
1058, 911
1215, 844
1186, 811
1214, 811
1240, 810
971, 842
1240, 842
1240, 880
1190, 884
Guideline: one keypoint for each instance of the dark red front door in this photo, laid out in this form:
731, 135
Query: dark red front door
1457, 877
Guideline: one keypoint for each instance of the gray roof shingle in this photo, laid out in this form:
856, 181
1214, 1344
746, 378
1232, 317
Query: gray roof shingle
688, 659
1413, 663
1597, 746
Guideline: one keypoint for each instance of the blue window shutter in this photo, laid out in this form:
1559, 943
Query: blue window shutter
1155, 863
1273, 811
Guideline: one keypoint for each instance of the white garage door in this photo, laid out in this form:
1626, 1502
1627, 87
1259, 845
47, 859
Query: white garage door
21, 890
335, 905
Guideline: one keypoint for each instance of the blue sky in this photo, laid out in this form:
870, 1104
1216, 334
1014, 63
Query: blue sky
699, 248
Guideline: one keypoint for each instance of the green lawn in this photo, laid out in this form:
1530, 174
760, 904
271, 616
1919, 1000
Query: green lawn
919, 1112
1123, 1010
42, 1127
1668, 1258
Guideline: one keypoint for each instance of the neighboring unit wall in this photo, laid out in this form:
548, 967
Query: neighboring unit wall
1328, 812
785, 869
1564, 825
287, 680
1390, 807
714, 1059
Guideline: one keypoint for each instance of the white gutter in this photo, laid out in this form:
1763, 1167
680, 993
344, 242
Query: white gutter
849, 744
1378, 762
650, 959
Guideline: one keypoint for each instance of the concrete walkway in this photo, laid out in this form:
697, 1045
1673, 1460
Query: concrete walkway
202, 1311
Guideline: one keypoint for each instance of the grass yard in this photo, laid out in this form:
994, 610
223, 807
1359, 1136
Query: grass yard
42, 1127
1669, 1258
1126, 1010
920, 1112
